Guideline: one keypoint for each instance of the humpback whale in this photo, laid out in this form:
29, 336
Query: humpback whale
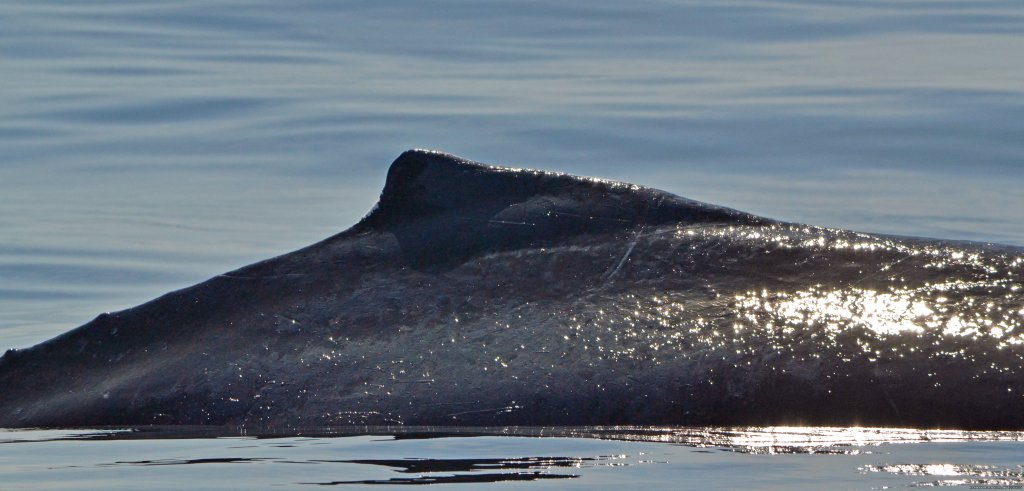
474, 294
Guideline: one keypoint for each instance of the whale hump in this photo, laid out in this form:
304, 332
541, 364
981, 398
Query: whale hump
481, 295
422, 183
445, 208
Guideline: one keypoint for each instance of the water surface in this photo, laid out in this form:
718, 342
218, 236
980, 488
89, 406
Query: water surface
148, 146
652, 458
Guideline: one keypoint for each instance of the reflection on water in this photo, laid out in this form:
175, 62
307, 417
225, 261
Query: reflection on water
975, 476
457, 478
477, 470
584, 457
751, 439
781, 439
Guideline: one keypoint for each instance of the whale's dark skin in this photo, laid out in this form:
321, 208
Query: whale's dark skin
477, 295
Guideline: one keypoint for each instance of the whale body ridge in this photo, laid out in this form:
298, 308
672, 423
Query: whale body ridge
477, 295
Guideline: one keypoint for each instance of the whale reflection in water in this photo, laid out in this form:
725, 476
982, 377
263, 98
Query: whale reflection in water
479, 295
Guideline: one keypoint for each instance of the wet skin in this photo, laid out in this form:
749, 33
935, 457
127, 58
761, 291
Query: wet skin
479, 295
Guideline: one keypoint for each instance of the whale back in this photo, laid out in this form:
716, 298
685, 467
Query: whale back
480, 295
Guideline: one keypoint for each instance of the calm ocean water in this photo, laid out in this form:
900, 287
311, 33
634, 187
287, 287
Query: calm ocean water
146, 146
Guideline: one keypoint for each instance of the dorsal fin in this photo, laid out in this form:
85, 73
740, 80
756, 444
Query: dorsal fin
421, 183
